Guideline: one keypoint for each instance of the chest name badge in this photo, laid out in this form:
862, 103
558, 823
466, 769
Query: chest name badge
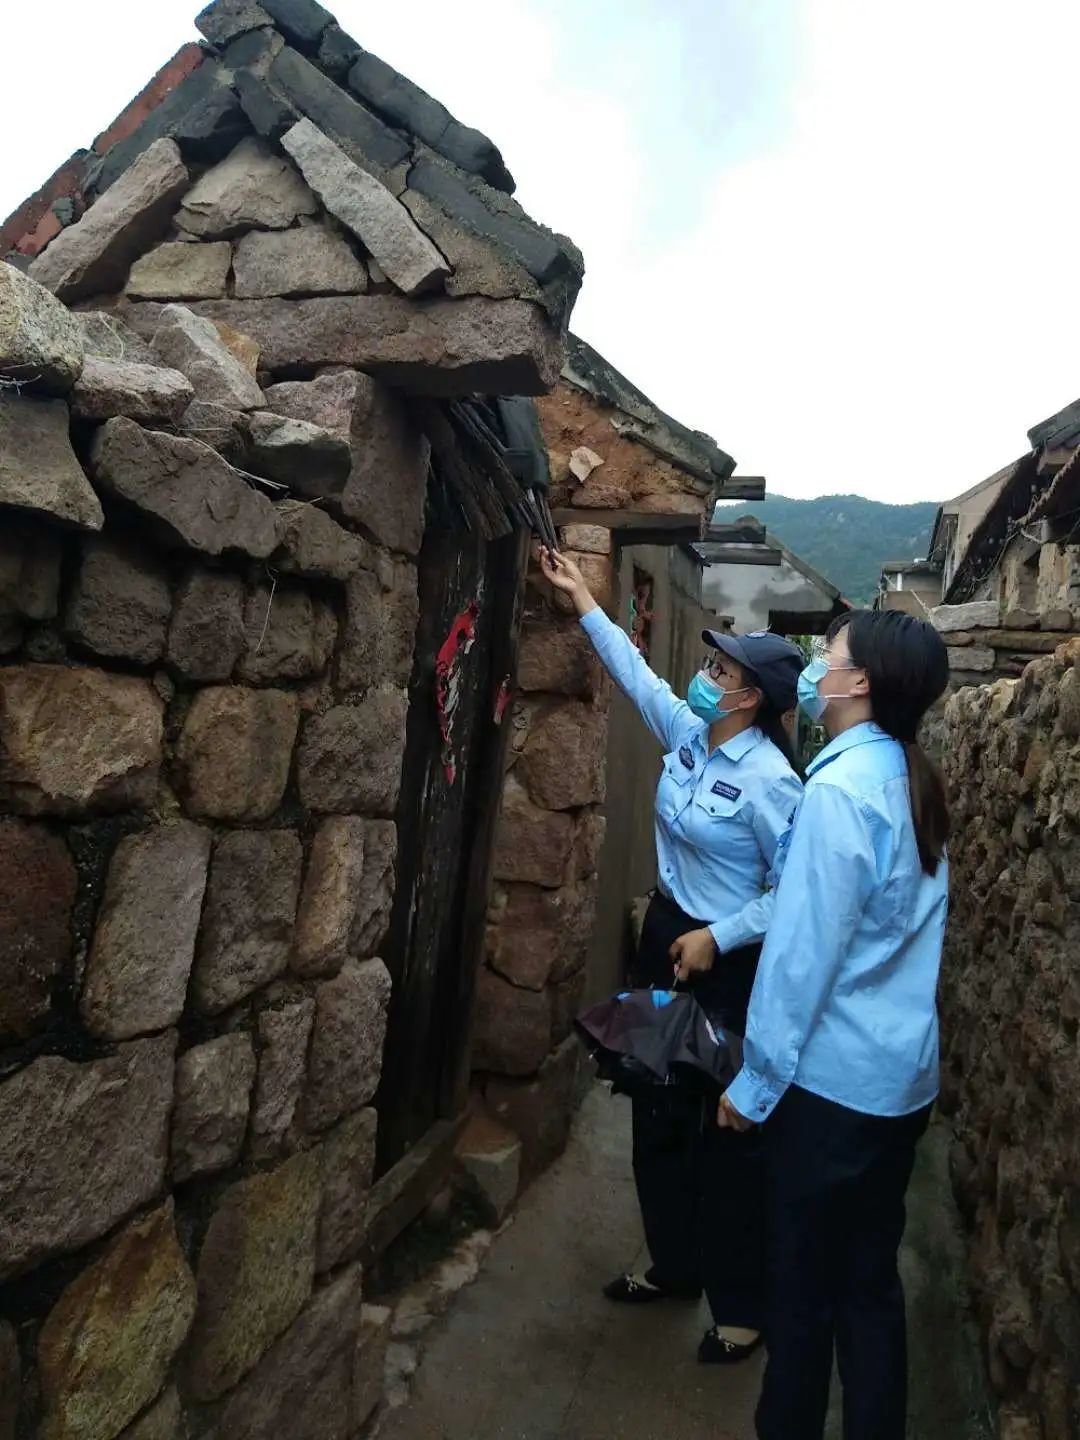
726, 791
686, 755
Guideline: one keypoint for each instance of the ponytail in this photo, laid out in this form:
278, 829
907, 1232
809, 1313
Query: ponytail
929, 807
771, 724
908, 669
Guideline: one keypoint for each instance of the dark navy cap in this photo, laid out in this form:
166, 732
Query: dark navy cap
774, 662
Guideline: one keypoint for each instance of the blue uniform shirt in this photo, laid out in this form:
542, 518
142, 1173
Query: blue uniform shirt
844, 1003
718, 817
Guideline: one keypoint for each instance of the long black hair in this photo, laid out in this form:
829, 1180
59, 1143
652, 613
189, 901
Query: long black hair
771, 724
908, 669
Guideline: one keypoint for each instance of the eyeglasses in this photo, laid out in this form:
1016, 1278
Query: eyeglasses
819, 655
712, 664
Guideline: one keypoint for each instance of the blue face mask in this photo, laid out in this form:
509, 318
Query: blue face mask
810, 702
706, 699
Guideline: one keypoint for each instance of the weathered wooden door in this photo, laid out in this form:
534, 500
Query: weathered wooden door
451, 788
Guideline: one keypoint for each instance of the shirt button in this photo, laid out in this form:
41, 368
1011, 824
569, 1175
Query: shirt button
762, 1109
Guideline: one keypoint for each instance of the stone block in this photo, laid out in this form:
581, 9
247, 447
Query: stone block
252, 188
369, 1368
379, 634
302, 22
92, 257
185, 493
29, 570
598, 572
163, 1421
302, 89
348, 892
287, 635
975, 615
255, 1274
150, 394
537, 936
303, 1386
213, 1097
347, 1158
206, 634
241, 347
489, 1157
81, 1147
440, 347
557, 657
1018, 619
235, 751
328, 401
478, 265
37, 893
345, 1062
531, 844
39, 473
144, 943
566, 1001
107, 1345
349, 760
222, 429
107, 336
10, 1381
283, 1045
512, 1026
492, 217
337, 51
179, 270
224, 20
193, 345
387, 488
309, 261
77, 741
587, 539
315, 546
201, 113
120, 603
41, 343
974, 658
412, 109
564, 762
310, 460
539, 1111
363, 204
1058, 620
247, 925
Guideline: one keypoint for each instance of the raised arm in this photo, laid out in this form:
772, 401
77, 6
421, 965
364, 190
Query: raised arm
666, 715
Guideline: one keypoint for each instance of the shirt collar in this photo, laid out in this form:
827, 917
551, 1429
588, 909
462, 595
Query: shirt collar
735, 748
865, 734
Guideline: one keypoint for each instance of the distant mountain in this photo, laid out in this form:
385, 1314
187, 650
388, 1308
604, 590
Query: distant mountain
844, 537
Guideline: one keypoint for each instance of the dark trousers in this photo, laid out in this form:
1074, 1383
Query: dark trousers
835, 1184
700, 1188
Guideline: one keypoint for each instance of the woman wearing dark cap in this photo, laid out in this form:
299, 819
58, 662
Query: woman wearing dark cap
841, 1054
727, 793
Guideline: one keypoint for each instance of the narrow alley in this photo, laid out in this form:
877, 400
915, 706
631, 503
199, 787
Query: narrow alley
532, 1351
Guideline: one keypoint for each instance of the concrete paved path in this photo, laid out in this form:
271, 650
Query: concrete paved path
533, 1352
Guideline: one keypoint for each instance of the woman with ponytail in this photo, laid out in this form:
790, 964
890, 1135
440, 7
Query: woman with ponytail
841, 1053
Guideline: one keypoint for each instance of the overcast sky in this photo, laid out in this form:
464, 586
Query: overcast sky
839, 235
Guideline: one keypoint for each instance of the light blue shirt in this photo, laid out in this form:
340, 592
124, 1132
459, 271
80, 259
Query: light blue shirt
844, 1003
719, 817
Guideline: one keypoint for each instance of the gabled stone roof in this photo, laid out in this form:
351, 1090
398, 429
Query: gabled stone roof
265, 67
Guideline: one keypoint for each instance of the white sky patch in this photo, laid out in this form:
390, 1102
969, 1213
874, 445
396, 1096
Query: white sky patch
878, 298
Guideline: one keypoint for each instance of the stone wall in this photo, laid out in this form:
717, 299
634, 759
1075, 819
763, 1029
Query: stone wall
1010, 1008
211, 504
544, 894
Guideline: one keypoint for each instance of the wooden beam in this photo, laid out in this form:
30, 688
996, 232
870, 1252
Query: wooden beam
397, 1198
742, 487
628, 519
746, 531
743, 555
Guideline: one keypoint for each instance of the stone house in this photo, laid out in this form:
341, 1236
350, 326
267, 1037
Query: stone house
913, 586
763, 584
265, 502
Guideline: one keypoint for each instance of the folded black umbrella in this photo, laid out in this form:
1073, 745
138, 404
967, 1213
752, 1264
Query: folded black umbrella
658, 1037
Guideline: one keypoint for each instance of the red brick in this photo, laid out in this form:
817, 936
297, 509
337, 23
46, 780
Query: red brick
48, 227
187, 59
23, 223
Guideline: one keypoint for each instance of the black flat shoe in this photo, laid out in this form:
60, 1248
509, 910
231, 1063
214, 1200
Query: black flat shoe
715, 1350
630, 1290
